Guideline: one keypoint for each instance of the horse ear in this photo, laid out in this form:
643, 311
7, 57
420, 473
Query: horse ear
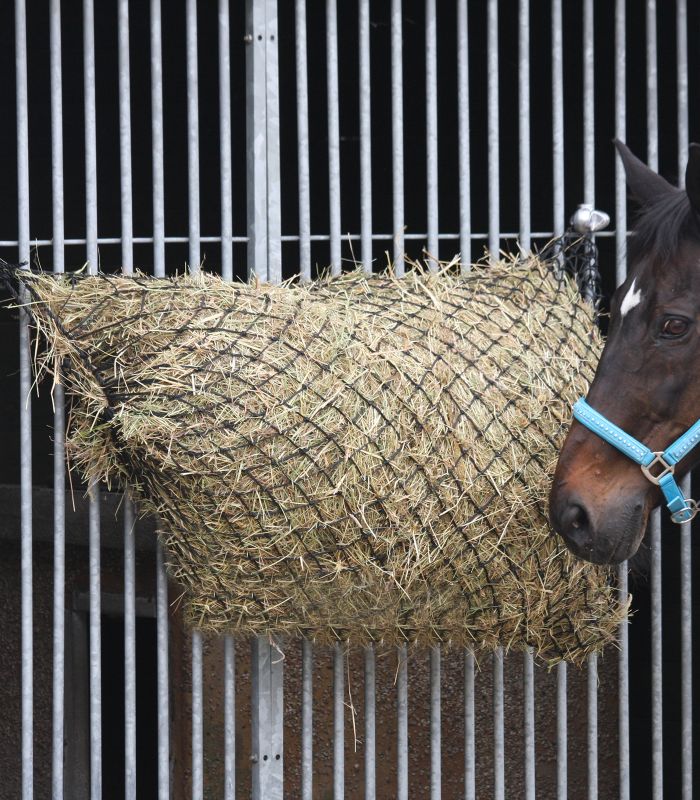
692, 177
645, 184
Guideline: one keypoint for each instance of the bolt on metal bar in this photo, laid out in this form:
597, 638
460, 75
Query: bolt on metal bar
300, 44
465, 232
197, 718
397, 134
435, 726
26, 576
402, 724
469, 728
524, 123
431, 91
338, 722
370, 726
229, 718
562, 733
493, 128
333, 132
307, 712
193, 135
225, 142
499, 758
162, 638
529, 723
59, 418
365, 138
559, 223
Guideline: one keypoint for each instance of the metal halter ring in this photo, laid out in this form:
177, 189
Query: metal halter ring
691, 506
667, 469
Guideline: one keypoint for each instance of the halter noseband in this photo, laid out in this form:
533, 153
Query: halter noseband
682, 510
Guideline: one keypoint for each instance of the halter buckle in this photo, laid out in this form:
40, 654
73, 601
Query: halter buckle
679, 516
666, 468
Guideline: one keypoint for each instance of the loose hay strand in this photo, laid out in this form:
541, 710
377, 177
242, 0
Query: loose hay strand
364, 458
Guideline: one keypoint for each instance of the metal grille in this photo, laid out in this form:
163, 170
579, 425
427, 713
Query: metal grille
301, 146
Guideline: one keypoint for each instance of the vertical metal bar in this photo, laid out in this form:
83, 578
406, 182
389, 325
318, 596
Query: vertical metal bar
338, 723
303, 143
397, 134
365, 138
162, 637
529, 723
370, 727
197, 719
524, 123
431, 90
402, 724
59, 423
307, 723
193, 136
593, 727
465, 213
557, 119
267, 720
562, 733
25, 409
229, 718
686, 529
588, 104
127, 268
493, 126
225, 141
652, 88
333, 132
272, 141
93, 488
435, 726
656, 661
498, 727
469, 729
256, 139
623, 691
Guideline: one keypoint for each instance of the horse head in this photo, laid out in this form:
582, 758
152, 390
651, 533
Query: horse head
647, 382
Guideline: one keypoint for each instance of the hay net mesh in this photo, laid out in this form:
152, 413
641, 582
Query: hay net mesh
363, 458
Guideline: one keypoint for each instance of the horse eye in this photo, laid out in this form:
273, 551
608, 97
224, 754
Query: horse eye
675, 326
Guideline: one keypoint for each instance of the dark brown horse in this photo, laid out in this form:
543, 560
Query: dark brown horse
648, 379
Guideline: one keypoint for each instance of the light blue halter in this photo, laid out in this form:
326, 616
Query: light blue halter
682, 510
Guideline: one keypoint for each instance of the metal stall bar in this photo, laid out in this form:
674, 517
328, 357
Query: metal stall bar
588, 45
272, 142
59, 419
197, 718
463, 134
333, 132
266, 723
620, 272
162, 638
229, 718
493, 140
307, 721
529, 724
524, 135
652, 87
225, 141
435, 726
338, 723
557, 119
499, 757
431, 90
686, 529
402, 724
397, 135
469, 729
365, 138
303, 143
129, 517
370, 727
93, 488
562, 732
25, 383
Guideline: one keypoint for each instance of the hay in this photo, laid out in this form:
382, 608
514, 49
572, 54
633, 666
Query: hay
364, 459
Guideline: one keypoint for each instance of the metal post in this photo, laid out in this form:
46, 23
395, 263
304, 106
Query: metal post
338, 723
524, 122
493, 129
365, 138
402, 724
333, 132
267, 720
229, 718
499, 788
303, 143
465, 229
431, 113
397, 134
469, 728
225, 142
557, 119
307, 710
529, 724
370, 728
435, 726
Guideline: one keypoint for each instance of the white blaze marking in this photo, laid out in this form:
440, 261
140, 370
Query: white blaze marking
632, 298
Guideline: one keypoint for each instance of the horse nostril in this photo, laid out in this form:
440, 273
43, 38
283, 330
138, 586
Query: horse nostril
576, 525
579, 518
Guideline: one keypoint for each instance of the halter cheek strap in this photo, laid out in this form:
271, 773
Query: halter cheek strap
658, 467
